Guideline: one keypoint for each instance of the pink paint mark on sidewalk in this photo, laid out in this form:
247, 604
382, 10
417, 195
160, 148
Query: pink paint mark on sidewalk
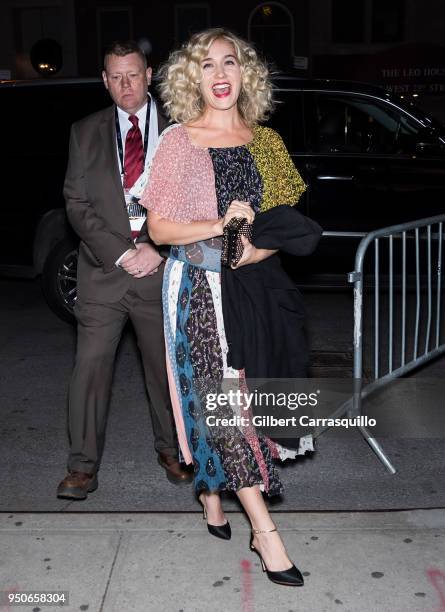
437, 580
246, 588
5, 606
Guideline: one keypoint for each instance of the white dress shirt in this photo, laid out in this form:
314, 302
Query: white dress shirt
125, 125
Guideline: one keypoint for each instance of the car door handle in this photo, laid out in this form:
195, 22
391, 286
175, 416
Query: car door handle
336, 177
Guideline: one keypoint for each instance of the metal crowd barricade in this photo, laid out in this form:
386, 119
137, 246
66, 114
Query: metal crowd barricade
398, 239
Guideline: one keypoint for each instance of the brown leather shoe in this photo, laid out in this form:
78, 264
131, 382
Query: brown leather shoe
176, 474
77, 485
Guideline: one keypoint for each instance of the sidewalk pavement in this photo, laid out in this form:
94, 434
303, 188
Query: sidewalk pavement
125, 562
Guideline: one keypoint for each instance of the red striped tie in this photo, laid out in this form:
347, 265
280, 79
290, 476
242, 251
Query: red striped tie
134, 153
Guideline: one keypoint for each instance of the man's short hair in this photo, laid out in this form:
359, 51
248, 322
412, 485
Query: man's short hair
122, 48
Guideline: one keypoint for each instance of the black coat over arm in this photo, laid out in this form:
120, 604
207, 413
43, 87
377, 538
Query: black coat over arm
262, 307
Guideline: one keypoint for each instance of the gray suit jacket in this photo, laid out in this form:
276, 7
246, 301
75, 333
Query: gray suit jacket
95, 207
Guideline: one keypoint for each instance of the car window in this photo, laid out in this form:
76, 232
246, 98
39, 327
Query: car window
287, 119
360, 124
46, 114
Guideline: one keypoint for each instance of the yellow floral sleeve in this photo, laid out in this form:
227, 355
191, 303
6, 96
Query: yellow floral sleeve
282, 183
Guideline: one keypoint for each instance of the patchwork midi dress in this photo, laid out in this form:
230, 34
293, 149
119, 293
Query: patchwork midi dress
187, 183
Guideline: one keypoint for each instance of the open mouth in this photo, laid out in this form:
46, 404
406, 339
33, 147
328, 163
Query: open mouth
221, 90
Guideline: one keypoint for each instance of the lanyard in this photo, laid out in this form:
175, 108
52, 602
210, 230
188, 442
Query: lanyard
119, 135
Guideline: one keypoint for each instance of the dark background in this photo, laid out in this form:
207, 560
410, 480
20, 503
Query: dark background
395, 43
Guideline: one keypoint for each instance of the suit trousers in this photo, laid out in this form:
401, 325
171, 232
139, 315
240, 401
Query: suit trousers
100, 329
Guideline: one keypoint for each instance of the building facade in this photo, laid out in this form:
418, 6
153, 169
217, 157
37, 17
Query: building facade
398, 44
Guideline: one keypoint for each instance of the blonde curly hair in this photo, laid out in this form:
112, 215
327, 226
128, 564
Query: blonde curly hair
180, 75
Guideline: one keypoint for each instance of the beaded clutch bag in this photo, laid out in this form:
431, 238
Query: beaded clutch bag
232, 247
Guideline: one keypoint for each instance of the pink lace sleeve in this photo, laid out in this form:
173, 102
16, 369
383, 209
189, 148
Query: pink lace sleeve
161, 195
181, 182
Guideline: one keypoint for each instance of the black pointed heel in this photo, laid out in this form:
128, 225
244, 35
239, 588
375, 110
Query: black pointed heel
288, 577
219, 531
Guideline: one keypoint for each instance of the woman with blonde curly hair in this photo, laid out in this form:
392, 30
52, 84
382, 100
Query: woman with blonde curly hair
215, 167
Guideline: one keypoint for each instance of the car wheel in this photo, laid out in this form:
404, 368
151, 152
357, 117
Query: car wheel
59, 279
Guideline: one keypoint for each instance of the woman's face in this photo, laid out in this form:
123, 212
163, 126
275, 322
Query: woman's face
220, 76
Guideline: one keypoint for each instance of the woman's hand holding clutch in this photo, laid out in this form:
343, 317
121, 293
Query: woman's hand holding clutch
250, 254
237, 224
239, 209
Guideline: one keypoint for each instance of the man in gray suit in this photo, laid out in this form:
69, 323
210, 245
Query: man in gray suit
119, 270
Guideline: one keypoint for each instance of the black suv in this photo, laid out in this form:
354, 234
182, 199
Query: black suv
35, 237
369, 160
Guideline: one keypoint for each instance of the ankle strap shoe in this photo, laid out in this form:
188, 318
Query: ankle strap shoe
288, 577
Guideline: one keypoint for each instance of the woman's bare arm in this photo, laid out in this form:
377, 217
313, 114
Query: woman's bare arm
163, 231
